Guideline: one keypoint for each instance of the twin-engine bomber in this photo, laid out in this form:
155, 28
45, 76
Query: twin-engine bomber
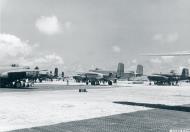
169, 79
17, 77
94, 77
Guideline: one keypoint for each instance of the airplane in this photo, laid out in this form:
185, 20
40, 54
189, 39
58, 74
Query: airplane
169, 79
96, 76
93, 77
16, 76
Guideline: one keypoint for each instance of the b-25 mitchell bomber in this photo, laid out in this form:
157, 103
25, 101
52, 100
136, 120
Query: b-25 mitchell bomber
169, 79
96, 76
16, 76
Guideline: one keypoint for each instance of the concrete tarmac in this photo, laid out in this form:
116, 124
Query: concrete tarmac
156, 120
53, 87
167, 113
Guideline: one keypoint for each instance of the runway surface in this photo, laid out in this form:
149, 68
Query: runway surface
55, 107
156, 120
53, 87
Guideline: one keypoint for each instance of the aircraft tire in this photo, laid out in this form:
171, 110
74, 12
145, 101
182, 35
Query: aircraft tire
18, 84
40, 80
24, 84
27, 85
93, 82
109, 82
97, 83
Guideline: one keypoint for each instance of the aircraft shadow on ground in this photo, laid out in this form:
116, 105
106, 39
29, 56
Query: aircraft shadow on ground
158, 106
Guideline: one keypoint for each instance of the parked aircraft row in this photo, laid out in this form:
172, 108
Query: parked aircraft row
95, 77
16, 76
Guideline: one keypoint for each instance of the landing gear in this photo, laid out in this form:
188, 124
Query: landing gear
40, 80
97, 83
93, 83
5, 83
27, 85
18, 84
109, 82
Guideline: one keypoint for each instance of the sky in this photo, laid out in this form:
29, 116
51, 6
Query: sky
78, 35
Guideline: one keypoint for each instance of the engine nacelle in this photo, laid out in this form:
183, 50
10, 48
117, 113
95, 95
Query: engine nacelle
4, 75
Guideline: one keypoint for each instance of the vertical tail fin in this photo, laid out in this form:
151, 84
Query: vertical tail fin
185, 73
120, 70
139, 70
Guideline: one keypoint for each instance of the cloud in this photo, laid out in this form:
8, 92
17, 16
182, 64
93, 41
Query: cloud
134, 61
48, 25
49, 59
162, 59
116, 49
156, 60
12, 46
1, 7
14, 50
68, 25
158, 37
167, 59
173, 37
46, 61
166, 38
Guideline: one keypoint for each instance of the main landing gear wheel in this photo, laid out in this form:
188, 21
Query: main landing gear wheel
97, 83
93, 83
18, 84
109, 82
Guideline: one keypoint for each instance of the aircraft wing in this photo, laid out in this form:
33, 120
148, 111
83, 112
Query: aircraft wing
157, 78
20, 73
24, 70
168, 54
